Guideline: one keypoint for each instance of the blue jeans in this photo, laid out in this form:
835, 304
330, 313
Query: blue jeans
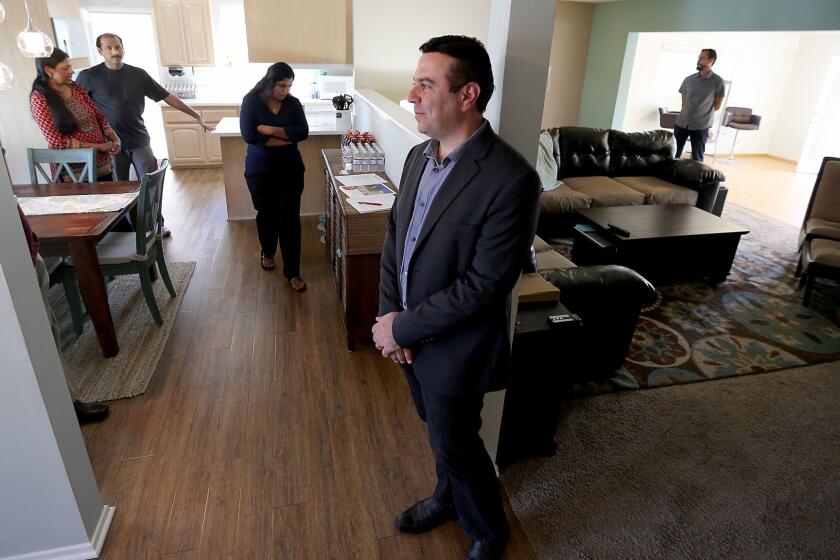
698, 141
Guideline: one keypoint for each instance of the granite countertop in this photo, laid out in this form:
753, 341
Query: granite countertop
228, 127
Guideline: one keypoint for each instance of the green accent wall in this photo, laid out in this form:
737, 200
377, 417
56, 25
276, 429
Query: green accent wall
614, 22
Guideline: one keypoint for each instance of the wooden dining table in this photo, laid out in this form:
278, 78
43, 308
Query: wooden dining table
76, 236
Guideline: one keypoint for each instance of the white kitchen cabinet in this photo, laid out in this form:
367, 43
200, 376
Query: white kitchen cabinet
169, 26
311, 31
212, 145
212, 115
184, 29
188, 144
65, 9
198, 34
212, 149
185, 144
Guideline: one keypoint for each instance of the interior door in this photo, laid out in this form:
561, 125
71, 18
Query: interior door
823, 137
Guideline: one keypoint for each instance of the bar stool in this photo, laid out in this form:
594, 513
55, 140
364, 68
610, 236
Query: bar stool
740, 118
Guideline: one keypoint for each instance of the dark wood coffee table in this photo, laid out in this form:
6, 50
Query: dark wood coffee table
666, 242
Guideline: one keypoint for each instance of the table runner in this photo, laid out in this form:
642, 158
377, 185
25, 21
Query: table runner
75, 204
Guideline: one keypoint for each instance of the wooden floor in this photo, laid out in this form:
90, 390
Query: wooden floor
260, 436
767, 185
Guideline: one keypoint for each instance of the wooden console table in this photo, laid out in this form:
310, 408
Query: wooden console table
354, 247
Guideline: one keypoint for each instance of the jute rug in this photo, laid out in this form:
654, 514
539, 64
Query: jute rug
754, 322
744, 468
141, 341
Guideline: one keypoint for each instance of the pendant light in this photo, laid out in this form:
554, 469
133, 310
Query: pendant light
32, 42
2, 13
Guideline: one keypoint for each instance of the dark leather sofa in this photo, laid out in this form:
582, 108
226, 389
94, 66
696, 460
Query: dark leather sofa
605, 167
608, 299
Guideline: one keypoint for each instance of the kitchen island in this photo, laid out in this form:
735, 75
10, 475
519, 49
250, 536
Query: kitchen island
239, 206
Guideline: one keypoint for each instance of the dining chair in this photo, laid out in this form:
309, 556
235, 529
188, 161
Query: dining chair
667, 119
122, 253
822, 217
819, 238
49, 165
61, 161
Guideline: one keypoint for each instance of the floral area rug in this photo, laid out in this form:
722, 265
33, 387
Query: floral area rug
752, 323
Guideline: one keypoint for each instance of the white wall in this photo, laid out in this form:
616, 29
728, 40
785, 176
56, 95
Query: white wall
387, 35
394, 128
520, 36
17, 128
31, 467
49, 501
567, 65
804, 85
759, 64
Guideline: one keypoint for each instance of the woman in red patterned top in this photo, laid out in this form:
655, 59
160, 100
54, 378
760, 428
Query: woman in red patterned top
67, 116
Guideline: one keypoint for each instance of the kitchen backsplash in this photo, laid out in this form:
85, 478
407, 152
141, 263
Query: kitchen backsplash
234, 82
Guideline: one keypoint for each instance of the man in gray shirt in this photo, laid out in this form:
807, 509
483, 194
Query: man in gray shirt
120, 90
702, 95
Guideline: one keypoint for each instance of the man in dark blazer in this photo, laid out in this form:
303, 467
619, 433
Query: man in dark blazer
456, 239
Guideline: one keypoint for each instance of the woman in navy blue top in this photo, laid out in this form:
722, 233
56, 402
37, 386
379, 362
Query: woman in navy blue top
272, 122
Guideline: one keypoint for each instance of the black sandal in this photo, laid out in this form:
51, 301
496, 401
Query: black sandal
297, 284
265, 262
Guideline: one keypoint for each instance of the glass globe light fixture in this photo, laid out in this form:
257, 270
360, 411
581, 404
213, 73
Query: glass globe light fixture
32, 42
7, 78
2, 13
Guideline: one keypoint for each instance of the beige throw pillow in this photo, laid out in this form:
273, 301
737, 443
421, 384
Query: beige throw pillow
546, 164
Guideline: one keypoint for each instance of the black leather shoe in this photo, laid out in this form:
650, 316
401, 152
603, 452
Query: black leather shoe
486, 550
424, 516
90, 412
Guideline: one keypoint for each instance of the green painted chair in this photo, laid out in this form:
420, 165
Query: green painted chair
64, 161
134, 252
40, 162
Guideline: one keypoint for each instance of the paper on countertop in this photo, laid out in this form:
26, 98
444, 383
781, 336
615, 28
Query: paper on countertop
75, 204
372, 203
358, 180
364, 191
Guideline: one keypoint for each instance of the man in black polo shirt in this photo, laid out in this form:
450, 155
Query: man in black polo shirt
120, 90
702, 95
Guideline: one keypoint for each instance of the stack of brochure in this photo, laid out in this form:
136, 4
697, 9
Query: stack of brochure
367, 193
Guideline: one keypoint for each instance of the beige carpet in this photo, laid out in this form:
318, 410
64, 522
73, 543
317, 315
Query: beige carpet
141, 341
745, 468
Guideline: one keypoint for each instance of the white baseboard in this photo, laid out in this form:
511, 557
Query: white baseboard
97, 540
85, 551
74, 552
